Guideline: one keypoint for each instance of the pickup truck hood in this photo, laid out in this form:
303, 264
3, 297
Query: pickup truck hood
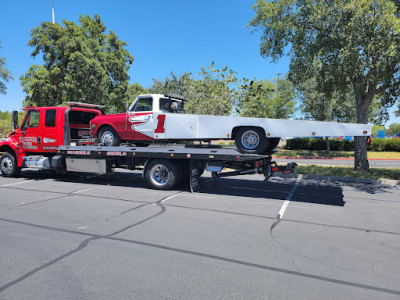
106, 117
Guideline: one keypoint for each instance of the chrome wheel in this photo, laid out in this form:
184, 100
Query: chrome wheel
6, 165
250, 139
159, 175
107, 138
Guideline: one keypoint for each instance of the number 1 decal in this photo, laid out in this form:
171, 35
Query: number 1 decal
160, 125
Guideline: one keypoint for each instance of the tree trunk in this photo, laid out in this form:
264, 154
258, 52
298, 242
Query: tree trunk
328, 145
360, 142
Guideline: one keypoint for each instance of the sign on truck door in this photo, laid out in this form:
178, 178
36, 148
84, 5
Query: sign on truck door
29, 137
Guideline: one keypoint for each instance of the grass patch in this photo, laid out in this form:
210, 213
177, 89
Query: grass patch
391, 155
376, 173
308, 153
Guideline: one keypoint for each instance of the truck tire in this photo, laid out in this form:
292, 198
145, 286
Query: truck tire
109, 137
9, 166
161, 174
273, 143
251, 140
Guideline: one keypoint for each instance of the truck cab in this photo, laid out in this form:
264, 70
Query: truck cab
43, 130
137, 123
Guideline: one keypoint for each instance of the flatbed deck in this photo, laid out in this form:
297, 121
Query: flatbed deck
168, 152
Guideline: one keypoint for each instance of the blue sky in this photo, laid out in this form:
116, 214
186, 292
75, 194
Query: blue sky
163, 36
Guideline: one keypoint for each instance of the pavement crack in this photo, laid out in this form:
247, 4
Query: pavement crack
81, 246
158, 203
258, 266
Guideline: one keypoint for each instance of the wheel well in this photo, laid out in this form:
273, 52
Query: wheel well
6, 148
102, 126
235, 130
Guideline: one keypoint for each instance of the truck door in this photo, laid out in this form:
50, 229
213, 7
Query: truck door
140, 119
29, 135
51, 138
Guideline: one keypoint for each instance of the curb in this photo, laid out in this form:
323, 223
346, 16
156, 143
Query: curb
384, 182
327, 157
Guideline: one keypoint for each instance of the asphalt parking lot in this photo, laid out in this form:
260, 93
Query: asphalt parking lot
102, 237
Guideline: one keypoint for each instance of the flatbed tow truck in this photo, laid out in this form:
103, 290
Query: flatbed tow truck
58, 139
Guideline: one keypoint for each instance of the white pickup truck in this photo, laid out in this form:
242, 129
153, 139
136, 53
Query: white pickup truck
157, 117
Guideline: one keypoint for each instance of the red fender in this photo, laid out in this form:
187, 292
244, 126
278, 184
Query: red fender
12, 143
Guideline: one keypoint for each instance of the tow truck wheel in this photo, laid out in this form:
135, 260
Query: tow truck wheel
9, 166
109, 137
161, 174
251, 140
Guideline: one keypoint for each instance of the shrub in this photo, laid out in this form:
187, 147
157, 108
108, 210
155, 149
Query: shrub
341, 145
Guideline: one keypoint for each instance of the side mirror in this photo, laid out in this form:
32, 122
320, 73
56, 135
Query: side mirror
127, 106
15, 119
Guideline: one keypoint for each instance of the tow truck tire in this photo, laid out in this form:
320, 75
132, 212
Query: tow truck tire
251, 140
161, 174
109, 137
9, 166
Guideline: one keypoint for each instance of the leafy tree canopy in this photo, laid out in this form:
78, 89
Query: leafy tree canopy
216, 91
375, 129
81, 63
5, 75
393, 129
211, 92
133, 91
353, 43
266, 99
338, 107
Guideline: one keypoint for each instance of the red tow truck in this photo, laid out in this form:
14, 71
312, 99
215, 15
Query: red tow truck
59, 139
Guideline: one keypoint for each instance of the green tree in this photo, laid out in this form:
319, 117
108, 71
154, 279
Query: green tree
173, 84
337, 107
355, 42
81, 63
4, 75
266, 99
133, 91
393, 129
211, 92
375, 129
5, 123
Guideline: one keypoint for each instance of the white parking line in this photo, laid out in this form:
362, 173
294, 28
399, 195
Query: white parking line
288, 198
16, 183
92, 188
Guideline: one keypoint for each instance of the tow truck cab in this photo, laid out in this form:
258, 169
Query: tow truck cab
44, 129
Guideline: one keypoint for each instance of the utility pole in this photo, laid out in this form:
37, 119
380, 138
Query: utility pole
52, 12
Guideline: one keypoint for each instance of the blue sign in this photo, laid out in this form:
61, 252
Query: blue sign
381, 134
348, 138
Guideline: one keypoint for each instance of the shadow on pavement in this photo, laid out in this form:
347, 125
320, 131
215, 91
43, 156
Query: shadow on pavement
318, 192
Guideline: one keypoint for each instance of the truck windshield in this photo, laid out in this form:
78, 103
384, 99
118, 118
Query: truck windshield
143, 104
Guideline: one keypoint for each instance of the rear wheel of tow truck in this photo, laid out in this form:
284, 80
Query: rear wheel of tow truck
161, 174
251, 140
9, 166
109, 137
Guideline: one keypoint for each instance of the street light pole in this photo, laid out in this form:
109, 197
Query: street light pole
52, 12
